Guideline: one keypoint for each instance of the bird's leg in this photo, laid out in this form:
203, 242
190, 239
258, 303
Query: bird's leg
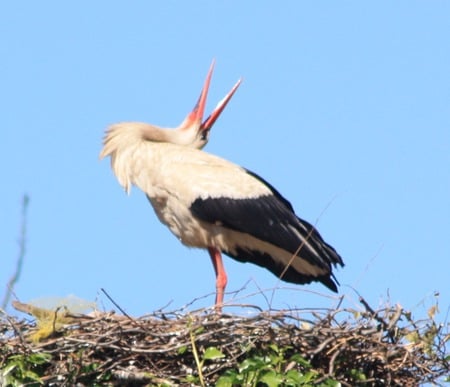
221, 276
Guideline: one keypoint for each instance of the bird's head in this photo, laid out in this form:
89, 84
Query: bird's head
123, 140
193, 132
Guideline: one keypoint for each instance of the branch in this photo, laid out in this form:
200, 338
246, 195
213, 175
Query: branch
22, 250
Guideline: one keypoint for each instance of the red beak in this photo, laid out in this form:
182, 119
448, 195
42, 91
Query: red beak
194, 118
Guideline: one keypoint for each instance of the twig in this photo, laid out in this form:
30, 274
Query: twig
198, 362
21, 256
116, 304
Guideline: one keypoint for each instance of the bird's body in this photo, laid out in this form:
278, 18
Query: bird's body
173, 177
209, 202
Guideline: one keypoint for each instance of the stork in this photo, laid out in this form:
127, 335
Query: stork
209, 202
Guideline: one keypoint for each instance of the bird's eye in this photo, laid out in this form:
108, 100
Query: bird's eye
204, 135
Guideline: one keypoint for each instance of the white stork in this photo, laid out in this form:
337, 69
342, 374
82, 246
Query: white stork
211, 203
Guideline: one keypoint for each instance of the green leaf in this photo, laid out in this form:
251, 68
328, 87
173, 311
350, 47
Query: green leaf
8, 369
275, 348
272, 379
89, 368
199, 330
212, 353
293, 378
33, 376
308, 377
192, 379
225, 381
412, 337
231, 376
357, 374
39, 358
252, 364
330, 383
182, 350
274, 359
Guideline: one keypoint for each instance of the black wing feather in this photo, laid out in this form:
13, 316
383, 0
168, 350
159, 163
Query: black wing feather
271, 218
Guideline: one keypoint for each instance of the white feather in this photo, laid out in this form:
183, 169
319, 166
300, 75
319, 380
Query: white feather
174, 176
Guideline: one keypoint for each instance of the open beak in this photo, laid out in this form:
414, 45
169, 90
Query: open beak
209, 122
194, 118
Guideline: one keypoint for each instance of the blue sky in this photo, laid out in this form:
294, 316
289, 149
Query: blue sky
344, 107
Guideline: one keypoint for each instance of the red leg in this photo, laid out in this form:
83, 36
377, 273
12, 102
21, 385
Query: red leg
221, 276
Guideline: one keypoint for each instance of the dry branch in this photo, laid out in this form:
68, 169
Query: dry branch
386, 345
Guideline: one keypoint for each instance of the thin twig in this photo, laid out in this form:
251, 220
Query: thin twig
21, 256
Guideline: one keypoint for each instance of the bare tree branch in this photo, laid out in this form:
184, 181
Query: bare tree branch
21, 256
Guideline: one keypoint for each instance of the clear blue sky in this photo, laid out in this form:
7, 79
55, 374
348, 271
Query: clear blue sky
345, 108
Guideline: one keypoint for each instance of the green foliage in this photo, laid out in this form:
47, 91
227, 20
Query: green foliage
357, 375
211, 354
24, 369
273, 368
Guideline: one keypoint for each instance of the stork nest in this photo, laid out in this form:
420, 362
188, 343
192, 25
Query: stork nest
385, 347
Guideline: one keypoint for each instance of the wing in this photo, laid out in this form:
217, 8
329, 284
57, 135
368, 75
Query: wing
270, 219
